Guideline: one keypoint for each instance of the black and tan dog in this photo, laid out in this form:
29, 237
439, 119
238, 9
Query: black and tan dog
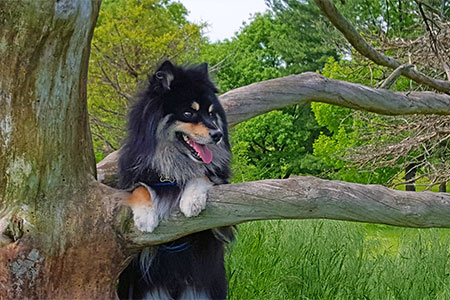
177, 148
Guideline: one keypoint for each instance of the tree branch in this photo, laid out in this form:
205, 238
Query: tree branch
249, 101
435, 43
394, 76
298, 198
357, 41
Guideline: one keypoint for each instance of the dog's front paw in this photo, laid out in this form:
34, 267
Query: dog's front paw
145, 218
144, 211
191, 204
193, 199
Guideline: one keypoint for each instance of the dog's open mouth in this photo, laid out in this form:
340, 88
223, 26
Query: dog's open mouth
199, 151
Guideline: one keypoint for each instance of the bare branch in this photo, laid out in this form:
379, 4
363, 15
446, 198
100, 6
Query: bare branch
117, 113
357, 41
246, 102
435, 43
116, 86
298, 198
107, 169
132, 71
394, 76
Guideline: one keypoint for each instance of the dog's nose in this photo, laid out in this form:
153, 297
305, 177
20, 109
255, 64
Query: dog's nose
216, 135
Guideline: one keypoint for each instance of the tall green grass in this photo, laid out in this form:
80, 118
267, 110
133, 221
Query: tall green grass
316, 259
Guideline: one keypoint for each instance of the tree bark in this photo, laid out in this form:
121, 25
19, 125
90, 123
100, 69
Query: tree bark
303, 197
410, 174
56, 241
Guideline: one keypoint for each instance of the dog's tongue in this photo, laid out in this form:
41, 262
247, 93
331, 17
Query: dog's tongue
204, 152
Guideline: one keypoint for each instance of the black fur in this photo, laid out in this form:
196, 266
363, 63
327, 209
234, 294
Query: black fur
195, 262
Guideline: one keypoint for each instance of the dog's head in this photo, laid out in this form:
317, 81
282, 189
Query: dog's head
192, 115
178, 128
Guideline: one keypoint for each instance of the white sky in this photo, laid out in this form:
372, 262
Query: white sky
224, 17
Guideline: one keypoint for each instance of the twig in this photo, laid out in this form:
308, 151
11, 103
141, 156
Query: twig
357, 41
394, 76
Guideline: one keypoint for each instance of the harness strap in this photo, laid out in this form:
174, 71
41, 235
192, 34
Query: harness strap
167, 183
177, 248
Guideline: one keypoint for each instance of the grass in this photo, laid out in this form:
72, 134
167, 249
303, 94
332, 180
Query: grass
321, 259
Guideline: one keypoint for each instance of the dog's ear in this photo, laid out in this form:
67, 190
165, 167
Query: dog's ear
165, 74
203, 67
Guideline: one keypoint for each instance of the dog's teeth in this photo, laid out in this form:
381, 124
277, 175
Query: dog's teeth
185, 138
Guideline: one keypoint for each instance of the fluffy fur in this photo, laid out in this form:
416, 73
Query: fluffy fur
176, 133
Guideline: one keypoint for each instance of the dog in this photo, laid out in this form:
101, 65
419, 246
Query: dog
177, 148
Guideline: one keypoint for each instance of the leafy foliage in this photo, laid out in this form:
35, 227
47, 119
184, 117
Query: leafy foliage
275, 145
346, 127
130, 39
248, 57
303, 35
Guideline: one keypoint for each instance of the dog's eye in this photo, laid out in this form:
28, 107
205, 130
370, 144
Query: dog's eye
188, 114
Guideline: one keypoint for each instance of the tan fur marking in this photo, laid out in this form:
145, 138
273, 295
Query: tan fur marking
140, 196
210, 109
194, 130
195, 106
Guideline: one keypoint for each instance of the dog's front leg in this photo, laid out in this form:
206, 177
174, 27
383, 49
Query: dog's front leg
142, 204
193, 198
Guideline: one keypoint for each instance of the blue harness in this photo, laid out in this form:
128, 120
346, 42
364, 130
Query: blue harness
166, 183
178, 248
182, 246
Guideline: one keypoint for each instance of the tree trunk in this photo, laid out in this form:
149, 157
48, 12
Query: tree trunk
47, 213
410, 173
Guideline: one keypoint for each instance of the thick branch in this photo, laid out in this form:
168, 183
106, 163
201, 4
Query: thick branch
331, 12
246, 102
300, 198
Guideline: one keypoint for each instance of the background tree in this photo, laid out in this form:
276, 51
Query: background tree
279, 143
304, 39
406, 147
130, 39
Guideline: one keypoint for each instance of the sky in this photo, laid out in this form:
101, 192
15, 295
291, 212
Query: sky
224, 17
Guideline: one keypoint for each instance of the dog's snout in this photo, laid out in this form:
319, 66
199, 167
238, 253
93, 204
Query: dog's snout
216, 135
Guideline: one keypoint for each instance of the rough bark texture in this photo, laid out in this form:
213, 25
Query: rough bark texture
56, 240
301, 198
246, 102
